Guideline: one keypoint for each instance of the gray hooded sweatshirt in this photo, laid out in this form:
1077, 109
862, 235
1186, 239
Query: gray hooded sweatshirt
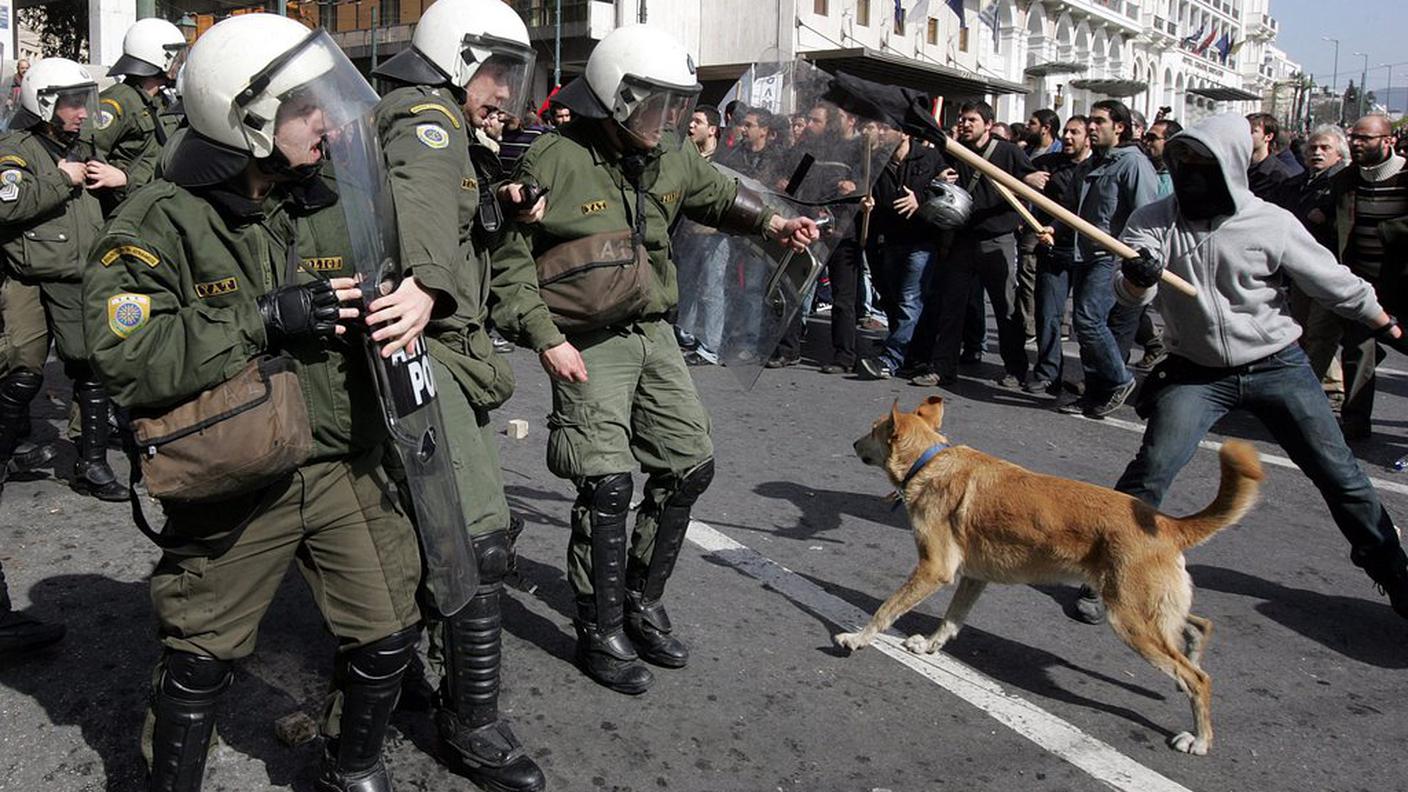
1237, 263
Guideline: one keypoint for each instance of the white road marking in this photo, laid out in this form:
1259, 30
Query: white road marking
1101, 761
1270, 459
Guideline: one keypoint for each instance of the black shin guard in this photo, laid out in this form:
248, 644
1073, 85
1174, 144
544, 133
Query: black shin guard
91, 473
603, 650
370, 680
483, 745
647, 623
183, 705
17, 390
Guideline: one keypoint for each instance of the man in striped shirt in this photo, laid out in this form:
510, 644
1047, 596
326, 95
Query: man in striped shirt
1372, 192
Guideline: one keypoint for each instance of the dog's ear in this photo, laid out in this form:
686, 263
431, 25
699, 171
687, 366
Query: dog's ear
895, 413
932, 411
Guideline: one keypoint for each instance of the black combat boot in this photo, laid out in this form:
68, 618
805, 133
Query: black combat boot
183, 705
369, 678
91, 473
647, 623
17, 390
481, 746
603, 650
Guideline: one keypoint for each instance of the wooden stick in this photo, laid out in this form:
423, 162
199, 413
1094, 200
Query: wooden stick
865, 210
1021, 208
1001, 177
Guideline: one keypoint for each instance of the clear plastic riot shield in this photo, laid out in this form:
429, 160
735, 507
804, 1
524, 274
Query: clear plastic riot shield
405, 382
738, 295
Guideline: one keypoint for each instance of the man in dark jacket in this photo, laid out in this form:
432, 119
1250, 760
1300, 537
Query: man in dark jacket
1268, 174
1053, 263
904, 244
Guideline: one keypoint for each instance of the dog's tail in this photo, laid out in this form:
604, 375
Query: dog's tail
1241, 477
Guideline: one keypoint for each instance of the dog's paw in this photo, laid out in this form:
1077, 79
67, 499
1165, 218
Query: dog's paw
1185, 742
920, 644
852, 641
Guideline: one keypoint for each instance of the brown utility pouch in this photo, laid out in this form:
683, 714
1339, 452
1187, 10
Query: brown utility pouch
595, 281
238, 436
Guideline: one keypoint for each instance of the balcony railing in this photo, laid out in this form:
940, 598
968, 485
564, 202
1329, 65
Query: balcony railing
539, 13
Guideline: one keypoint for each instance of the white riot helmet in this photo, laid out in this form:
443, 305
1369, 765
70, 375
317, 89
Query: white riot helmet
456, 40
247, 70
151, 47
642, 78
53, 83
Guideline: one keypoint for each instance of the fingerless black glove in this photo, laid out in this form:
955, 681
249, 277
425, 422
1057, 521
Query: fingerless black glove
305, 309
1142, 271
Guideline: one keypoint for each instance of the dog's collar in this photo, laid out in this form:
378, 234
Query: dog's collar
924, 459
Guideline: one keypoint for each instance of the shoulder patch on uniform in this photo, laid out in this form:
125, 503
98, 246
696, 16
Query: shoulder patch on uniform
323, 263
127, 313
671, 197
105, 118
433, 135
145, 256
13, 159
217, 288
593, 207
439, 108
113, 103
10, 184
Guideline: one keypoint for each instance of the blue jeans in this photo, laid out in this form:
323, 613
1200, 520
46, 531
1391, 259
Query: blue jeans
703, 306
1053, 286
1094, 296
1286, 396
903, 267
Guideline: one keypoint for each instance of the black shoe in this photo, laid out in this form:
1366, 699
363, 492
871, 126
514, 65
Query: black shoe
501, 346
834, 368
1076, 406
611, 661
1356, 432
693, 358
330, 779
1149, 360
1008, 381
970, 358
1087, 607
96, 480
783, 361
933, 379
1396, 587
1110, 403
648, 627
19, 633
873, 368
490, 756
1037, 386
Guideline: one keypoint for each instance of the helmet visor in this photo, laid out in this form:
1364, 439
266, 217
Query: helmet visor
175, 59
305, 97
503, 79
651, 111
74, 107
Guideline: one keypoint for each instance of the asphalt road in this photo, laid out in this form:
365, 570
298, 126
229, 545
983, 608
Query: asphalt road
1307, 659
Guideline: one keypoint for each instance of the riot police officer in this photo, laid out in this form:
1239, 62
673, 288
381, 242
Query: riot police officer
134, 121
50, 220
467, 59
221, 262
619, 175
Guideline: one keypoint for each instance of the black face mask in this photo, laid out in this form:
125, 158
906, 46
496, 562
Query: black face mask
1201, 189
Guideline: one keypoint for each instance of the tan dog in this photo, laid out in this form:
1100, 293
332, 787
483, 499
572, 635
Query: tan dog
982, 519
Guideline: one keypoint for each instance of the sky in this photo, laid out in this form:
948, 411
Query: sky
1376, 27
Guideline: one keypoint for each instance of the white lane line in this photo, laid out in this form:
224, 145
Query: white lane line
1101, 761
1270, 459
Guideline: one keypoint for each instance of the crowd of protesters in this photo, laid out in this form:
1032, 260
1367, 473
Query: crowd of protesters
924, 287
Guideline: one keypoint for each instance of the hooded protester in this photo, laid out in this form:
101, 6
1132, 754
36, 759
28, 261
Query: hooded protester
1234, 345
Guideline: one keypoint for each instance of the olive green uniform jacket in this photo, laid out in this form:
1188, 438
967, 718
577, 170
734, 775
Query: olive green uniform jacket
47, 228
131, 129
590, 195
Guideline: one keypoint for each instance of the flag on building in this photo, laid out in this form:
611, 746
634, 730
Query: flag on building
1192, 40
957, 7
1224, 46
1207, 42
899, 13
1235, 47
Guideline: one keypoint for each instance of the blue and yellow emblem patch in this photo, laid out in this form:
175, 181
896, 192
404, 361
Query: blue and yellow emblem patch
433, 135
127, 313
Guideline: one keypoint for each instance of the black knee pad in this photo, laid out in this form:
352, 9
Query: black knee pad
21, 385
383, 659
192, 677
610, 494
693, 483
491, 553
